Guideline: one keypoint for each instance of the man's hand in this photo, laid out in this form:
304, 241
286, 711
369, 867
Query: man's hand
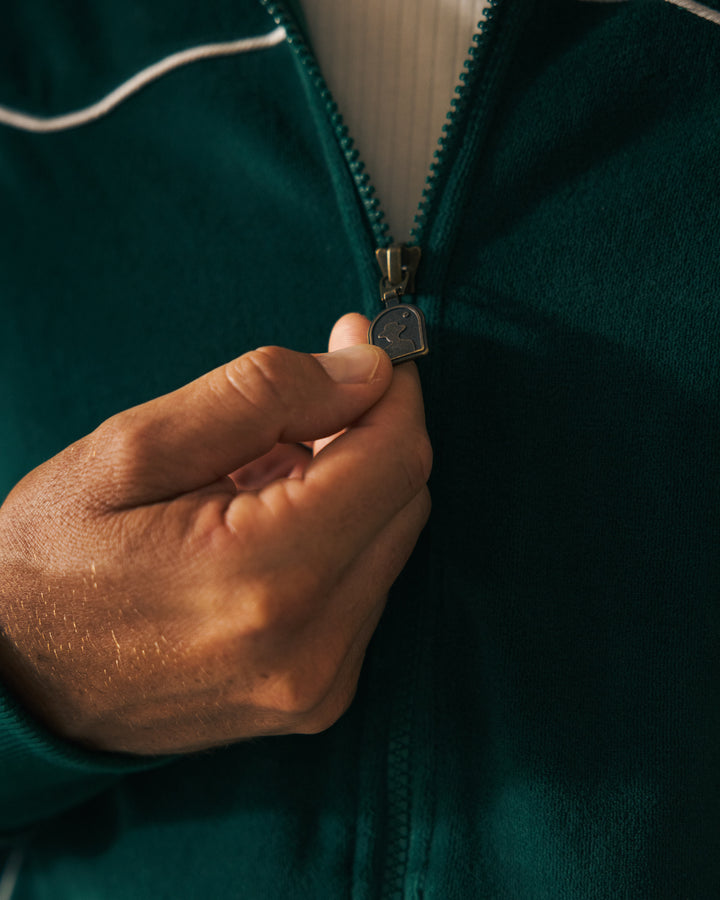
187, 575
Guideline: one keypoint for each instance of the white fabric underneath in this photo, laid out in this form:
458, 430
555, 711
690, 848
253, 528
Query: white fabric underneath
392, 66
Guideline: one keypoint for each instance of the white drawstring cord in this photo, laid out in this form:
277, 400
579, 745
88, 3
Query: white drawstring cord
712, 15
10, 873
26, 122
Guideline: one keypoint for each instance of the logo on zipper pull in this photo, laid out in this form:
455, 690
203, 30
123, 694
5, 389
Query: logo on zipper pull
399, 329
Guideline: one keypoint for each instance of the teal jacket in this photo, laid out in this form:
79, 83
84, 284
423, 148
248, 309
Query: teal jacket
539, 713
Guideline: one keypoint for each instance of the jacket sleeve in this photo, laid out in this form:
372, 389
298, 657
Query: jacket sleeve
42, 775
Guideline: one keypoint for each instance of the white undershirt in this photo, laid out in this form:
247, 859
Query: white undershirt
392, 66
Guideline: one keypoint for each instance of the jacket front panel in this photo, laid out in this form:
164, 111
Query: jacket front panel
538, 712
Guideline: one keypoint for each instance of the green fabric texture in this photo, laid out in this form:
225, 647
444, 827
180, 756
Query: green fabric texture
43, 774
539, 712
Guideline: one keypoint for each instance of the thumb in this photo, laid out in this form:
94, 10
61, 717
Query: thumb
348, 331
192, 437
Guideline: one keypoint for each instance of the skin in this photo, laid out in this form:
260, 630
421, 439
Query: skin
190, 575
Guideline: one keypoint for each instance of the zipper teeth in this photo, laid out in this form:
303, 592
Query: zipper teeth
450, 133
365, 188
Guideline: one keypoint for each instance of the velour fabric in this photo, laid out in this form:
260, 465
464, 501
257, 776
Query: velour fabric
539, 712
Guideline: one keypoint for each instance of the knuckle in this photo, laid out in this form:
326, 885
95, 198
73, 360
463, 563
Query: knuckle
326, 714
279, 605
318, 724
259, 615
417, 462
259, 377
313, 693
123, 448
123, 436
303, 694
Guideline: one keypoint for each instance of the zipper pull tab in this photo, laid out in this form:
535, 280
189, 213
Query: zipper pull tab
400, 328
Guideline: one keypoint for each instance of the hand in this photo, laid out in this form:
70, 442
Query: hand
186, 576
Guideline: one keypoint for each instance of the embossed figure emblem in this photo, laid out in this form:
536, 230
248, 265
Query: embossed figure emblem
400, 331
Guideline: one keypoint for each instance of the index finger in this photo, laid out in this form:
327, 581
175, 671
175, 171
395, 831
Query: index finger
350, 491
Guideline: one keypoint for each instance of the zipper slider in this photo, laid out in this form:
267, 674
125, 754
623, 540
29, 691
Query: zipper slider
398, 264
400, 328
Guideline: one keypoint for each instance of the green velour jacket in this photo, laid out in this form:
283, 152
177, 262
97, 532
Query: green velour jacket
539, 711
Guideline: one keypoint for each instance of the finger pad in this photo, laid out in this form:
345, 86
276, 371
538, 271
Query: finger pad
348, 331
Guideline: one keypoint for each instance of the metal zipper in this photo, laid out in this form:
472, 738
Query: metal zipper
365, 188
450, 131
296, 40
398, 266
400, 328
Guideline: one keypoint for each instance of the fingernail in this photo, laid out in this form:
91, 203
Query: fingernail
352, 365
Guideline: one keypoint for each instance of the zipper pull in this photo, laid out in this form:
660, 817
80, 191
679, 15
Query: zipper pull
400, 328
